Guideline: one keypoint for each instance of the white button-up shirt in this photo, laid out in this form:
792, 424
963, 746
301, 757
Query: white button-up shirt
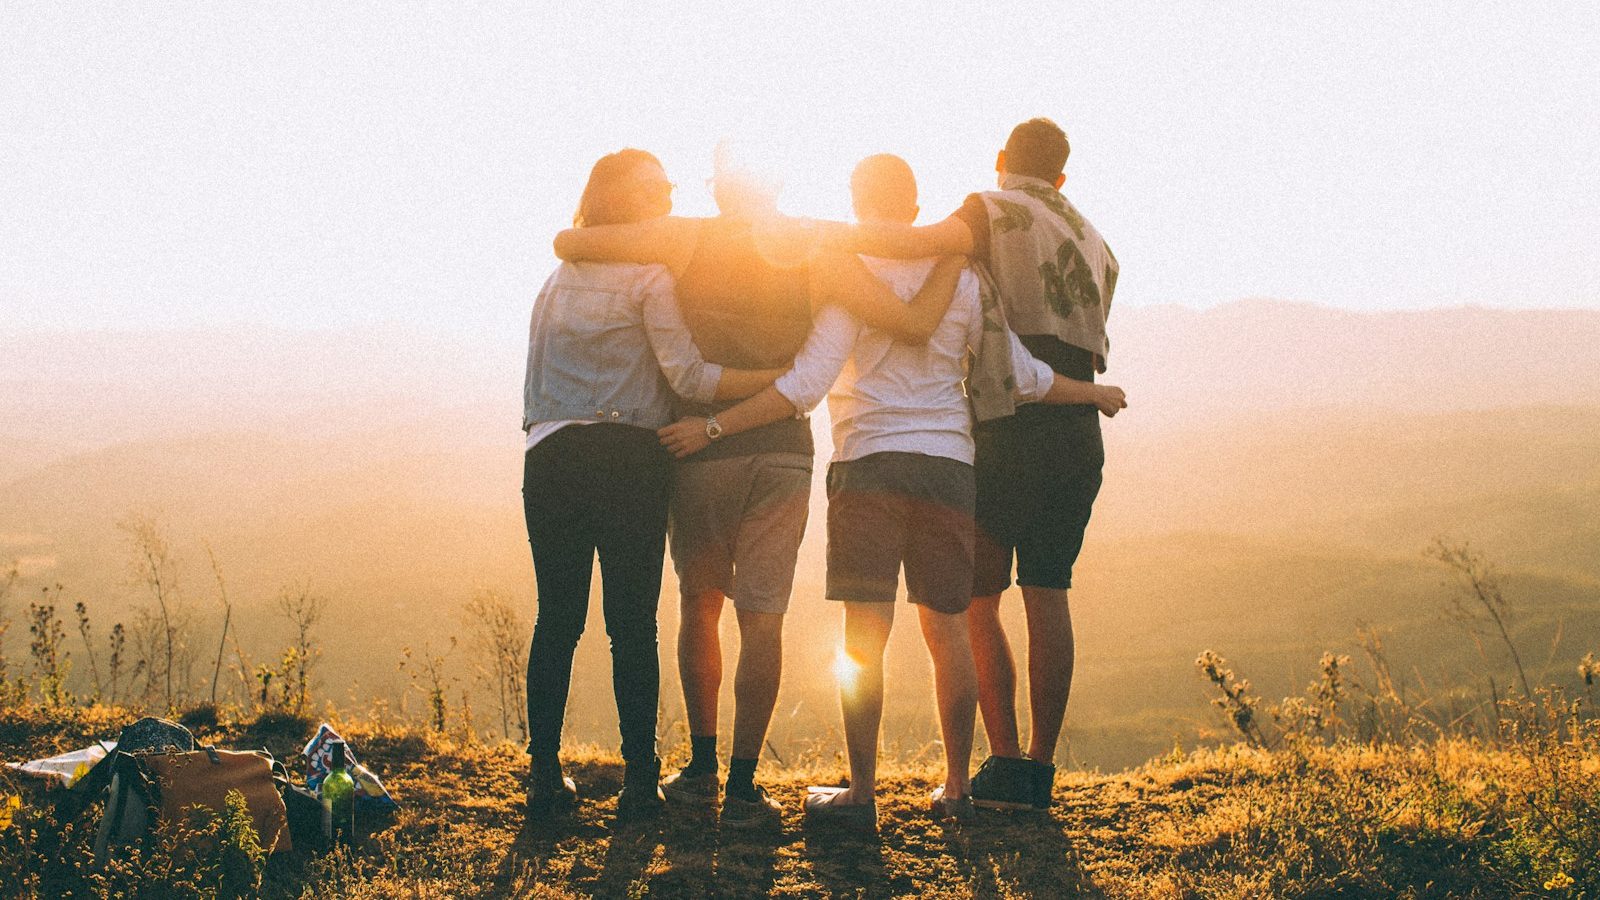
890, 396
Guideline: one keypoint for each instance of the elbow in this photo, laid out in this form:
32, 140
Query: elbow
563, 245
707, 385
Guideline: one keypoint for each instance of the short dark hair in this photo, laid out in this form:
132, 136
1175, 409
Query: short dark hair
605, 200
884, 184
1037, 148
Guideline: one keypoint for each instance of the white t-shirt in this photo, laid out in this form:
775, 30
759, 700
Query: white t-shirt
541, 430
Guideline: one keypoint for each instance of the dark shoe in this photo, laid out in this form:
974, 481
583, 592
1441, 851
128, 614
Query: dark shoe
686, 789
945, 807
1005, 783
1044, 784
550, 794
823, 810
762, 813
641, 796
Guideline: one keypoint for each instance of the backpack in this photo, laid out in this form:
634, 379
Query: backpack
150, 787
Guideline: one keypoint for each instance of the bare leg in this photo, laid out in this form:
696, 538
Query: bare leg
700, 660
1050, 662
957, 686
997, 676
866, 631
755, 683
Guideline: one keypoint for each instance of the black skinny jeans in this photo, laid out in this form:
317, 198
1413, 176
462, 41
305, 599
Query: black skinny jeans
586, 489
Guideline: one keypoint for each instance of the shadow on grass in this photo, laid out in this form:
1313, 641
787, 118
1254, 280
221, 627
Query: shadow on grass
747, 864
847, 863
1019, 853
629, 853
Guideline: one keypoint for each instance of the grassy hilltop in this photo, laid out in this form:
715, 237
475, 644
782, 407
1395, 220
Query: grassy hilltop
1515, 817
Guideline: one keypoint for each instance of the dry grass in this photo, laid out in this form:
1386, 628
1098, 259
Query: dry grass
1453, 819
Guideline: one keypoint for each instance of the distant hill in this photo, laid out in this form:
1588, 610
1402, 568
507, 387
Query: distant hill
1183, 365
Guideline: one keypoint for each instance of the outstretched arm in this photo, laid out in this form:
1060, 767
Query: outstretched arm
688, 435
737, 384
1108, 398
798, 390
893, 241
842, 278
1035, 381
686, 370
668, 240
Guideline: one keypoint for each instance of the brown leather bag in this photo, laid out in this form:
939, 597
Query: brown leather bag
204, 778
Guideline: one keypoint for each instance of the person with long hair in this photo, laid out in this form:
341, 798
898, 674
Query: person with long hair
607, 350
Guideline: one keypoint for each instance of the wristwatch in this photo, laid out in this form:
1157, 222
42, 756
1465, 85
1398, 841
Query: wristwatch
713, 428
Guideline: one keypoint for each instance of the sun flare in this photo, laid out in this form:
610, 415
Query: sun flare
845, 669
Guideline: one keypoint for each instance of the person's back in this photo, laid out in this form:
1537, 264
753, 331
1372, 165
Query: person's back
589, 356
745, 310
894, 396
1054, 272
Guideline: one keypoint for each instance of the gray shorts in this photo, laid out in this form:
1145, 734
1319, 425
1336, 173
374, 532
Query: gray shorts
888, 509
736, 525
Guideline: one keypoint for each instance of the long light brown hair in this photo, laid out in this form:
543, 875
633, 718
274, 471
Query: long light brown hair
606, 198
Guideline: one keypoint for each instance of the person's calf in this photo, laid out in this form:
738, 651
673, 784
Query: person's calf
956, 685
699, 655
755, 686
1051, 660
866, 633
997, 676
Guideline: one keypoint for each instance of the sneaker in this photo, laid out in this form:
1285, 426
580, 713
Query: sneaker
945, 807
641, 796
684, 788
1005, 783
549, 797
824, 810
1044, 783
762, 813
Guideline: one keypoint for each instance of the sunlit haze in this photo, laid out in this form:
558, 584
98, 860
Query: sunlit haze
340, 164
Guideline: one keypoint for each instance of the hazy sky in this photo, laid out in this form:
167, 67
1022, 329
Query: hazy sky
310, 164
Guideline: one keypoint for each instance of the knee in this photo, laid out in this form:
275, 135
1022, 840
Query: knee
631, 632
983, 620
553, 632
866, 646
760, 630
701, 609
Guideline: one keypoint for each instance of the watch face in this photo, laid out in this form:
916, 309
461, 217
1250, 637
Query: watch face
713, 429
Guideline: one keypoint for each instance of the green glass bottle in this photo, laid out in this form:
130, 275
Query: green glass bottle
339, 797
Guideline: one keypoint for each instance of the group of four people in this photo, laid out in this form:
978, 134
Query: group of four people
671, 364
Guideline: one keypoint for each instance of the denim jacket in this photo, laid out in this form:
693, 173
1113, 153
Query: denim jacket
607, 343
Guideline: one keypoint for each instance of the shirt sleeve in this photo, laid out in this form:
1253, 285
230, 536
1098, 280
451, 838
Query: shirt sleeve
1033, 378
687, 371
975, 214
821, 360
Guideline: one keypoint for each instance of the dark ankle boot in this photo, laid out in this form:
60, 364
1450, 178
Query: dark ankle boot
641, 795
549, 791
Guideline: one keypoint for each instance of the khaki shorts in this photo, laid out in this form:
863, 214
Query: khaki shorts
736, 525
